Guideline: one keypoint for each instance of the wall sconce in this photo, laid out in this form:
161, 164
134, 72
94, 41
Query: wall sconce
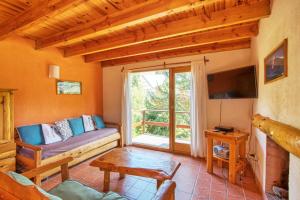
54, 71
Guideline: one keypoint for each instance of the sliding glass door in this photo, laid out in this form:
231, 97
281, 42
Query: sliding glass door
150, 108
161, 109
181, 112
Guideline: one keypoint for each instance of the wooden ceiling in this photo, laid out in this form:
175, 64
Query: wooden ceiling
125, 31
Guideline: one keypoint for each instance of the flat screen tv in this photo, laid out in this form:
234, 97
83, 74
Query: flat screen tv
233, 84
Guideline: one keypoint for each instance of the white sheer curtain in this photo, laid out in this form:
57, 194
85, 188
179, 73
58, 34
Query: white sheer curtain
199, 96
126, 108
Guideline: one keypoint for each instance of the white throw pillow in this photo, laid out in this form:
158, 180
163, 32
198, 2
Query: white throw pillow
88, 123
50, 134
64, 129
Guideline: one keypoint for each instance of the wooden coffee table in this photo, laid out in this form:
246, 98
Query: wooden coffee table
137, 163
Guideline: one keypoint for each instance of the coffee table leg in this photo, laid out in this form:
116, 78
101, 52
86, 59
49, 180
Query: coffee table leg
158, 183
106, 181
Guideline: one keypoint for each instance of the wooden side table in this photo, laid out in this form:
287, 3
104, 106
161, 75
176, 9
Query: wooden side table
237, 151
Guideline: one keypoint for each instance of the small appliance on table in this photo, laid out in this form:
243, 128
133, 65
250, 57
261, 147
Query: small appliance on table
237, 151
137, 163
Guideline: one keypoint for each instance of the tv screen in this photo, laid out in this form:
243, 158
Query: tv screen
233, 84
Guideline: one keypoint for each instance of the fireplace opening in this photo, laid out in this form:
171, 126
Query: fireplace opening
277, 171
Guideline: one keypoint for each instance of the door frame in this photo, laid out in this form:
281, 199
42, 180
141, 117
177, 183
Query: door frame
175, 147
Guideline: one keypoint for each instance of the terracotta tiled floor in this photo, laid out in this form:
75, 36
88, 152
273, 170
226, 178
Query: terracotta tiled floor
193, 182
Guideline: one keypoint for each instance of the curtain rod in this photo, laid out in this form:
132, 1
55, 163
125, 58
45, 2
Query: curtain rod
165, 65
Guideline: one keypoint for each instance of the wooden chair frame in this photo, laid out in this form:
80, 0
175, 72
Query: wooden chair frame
12, 190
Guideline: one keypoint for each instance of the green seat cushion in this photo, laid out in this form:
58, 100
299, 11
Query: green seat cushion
73, 190
113, 196
76, 125
25, 181
99, 122
31, 134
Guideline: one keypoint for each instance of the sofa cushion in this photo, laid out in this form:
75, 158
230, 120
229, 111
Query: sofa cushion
63, 127
50, 134
74, 190
112, 196
99, 122
76, 125
53, 149
25, 181
31, 134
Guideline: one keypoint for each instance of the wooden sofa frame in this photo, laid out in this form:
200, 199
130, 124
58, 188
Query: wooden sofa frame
78, 154
10, 189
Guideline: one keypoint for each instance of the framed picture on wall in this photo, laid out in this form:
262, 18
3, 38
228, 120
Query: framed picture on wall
68, 87
276, 63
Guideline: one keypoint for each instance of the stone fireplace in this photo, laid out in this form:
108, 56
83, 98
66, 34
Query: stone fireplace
277, 171
281, 162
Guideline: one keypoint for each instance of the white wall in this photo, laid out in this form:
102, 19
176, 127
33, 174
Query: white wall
279, 100
235, 113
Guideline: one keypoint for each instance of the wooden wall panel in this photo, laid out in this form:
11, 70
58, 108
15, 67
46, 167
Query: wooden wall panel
1, 117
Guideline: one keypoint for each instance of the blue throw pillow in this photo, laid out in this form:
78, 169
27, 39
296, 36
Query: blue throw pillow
31, 134
99, 122
76, 125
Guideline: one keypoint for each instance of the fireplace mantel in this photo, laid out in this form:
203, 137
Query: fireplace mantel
284, 135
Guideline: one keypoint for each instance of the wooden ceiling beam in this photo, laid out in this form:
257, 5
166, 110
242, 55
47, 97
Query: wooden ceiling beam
196, 50
139, 13
40, 10
227, 17
235, 32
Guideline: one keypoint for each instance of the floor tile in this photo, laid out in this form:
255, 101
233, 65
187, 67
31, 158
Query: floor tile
218, 195
192, 180
201, 193
180, 195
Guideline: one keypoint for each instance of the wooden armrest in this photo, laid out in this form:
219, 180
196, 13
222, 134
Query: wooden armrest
119, 127
29, 146
166, 191
40, 170
112, 124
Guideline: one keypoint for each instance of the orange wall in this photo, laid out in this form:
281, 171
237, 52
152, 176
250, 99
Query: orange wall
26, 69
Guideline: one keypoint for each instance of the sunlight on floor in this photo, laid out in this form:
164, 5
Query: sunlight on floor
153, 140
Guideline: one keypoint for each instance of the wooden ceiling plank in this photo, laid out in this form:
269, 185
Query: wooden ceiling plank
11, 7
219, 35
40, 11
208, 48
139, 13
230, 16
